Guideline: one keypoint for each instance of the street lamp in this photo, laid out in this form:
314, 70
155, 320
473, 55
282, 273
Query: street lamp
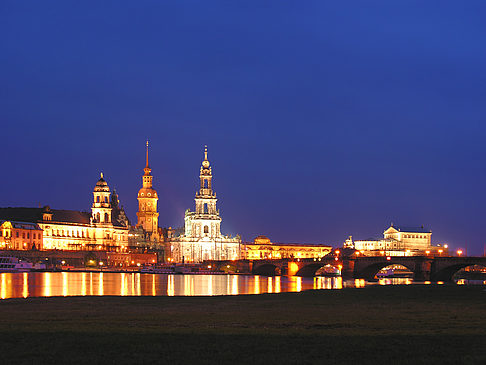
459, 252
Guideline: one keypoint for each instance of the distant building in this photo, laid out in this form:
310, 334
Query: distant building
20, 235
399, 241
263, 249
202, 238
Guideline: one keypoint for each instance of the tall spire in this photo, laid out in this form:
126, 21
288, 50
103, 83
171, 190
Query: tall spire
147, 165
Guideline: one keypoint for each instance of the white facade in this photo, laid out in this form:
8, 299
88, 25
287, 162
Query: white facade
397, 241
202, 238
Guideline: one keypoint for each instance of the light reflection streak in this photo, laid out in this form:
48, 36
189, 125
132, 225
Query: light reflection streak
137, 285
100, 284
3, 292
47, 284
25, 285
154, 292
90, 283
299, 284
269, 285
256, 283
170, 285
234, 289
277, 285
210, 285
83, 283
123, 285
64, 284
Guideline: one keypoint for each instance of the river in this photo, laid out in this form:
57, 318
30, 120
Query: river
49, 284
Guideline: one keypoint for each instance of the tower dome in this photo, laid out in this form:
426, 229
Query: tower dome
102, 185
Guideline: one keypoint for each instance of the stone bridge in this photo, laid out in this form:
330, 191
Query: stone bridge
424, 268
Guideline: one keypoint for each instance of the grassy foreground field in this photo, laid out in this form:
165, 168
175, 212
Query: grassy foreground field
376, 325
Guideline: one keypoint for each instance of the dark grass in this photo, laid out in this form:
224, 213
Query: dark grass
376, 325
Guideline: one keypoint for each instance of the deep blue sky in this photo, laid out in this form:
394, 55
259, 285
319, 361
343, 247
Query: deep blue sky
322, 119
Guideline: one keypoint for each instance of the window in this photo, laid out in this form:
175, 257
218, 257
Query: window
23, 234
97, 217
98, 199
28, 235
106, 199
206, 229
106, 217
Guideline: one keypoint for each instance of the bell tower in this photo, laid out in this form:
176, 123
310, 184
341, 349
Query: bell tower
101, 208
205, 221
147, 215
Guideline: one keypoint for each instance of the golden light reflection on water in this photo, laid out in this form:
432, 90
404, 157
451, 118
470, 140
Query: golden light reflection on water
25, 285
64, 284
38, 284
3, 291
170, 286
47, 284
83, 283
277, 284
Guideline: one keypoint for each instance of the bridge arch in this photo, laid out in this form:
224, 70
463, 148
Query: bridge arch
447, 273
311, 269
266, 270
370, 271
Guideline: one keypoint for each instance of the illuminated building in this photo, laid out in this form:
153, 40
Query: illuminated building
147, 234
202, 238
398, 241
105, 228
263, 249
20, 235
148, 218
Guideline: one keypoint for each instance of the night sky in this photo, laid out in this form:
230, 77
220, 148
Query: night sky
323, 119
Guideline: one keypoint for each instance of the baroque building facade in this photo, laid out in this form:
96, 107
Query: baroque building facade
104, 228
202, 238
399, 241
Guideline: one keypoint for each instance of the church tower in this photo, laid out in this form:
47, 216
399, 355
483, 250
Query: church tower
205, 221
148, 218
101, 208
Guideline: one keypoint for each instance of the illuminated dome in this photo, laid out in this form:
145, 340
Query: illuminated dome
101, 185
262, 240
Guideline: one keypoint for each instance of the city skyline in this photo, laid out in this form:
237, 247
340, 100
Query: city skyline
322, 121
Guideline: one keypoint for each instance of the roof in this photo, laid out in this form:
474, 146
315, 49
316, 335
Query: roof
34, 215
23, 225
421, 229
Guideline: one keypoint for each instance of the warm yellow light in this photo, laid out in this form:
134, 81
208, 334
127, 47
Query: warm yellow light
337, 252
101, 263
427, 252
446, 246
388, 258
209, 266
459, 252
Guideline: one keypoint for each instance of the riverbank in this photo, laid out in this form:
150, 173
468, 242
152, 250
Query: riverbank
414, 324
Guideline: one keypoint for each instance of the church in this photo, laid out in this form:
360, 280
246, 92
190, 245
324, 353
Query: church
202, 238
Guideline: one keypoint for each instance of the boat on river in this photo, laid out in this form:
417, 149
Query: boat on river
13, 264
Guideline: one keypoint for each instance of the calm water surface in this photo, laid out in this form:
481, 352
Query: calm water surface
48, 284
